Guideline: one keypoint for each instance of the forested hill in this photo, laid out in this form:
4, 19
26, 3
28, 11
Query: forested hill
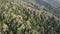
25, 18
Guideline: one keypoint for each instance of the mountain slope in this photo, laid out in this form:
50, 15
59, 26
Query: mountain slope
51, 5
25, 18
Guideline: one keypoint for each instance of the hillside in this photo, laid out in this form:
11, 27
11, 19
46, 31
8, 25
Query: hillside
25, 18
51, 5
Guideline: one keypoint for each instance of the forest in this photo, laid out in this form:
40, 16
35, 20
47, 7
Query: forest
24, 18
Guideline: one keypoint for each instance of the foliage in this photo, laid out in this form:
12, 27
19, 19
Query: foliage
24, 19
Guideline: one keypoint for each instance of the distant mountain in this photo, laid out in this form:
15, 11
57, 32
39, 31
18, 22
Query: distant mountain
52, 5
55, 3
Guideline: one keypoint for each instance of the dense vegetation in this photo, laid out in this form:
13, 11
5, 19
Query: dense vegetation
23, 18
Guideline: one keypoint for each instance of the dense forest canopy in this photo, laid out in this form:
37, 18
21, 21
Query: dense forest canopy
25, 18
